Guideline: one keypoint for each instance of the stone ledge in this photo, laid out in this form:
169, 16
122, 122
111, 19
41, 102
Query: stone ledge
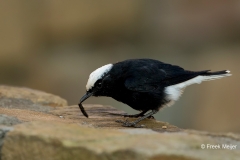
64, 133
26, 98
105, 116
55, 140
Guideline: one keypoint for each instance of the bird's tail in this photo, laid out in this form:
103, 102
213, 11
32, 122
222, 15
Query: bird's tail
204, 76
208, 76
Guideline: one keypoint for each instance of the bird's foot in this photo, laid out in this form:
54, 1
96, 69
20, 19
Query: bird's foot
130, 124
136, 116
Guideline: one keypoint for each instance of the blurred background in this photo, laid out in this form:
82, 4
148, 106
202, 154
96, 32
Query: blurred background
54, 45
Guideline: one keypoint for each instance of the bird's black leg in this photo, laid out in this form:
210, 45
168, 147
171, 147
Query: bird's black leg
134, 123
136, 115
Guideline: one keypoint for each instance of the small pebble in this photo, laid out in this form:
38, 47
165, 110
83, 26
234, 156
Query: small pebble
60, 116
164, 127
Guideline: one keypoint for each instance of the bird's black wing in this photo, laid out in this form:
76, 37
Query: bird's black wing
145, 78
151, 76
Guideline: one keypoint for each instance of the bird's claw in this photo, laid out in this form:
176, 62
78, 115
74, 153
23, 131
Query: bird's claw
129, 124
151, 117
119, 121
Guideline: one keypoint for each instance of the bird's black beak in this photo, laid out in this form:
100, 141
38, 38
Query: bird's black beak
86, 96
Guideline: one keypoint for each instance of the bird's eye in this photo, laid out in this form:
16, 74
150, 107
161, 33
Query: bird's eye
99, 84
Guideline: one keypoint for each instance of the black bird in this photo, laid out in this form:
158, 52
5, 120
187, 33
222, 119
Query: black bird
144, 84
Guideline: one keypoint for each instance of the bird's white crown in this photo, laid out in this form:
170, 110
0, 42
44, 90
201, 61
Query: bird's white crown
97, 74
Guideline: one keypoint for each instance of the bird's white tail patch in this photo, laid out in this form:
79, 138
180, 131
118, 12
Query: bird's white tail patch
199, 80
174, 92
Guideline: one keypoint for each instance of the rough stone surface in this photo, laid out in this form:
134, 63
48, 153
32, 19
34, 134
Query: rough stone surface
8, 120
99, 117
3, 131
56, 140
25, 98
105, 117
64, 133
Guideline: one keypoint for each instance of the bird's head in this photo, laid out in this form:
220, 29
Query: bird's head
97, 82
